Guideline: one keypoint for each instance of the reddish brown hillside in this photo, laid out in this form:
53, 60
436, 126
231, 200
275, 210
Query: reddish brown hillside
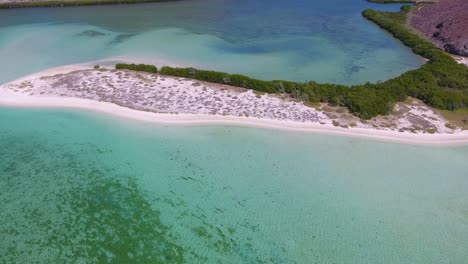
445, 23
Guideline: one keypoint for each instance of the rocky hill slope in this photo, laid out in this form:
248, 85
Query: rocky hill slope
445, 23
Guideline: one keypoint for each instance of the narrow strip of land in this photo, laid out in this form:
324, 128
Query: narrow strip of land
170, 100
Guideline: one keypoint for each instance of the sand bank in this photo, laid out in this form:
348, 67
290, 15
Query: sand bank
177, 101
12, 100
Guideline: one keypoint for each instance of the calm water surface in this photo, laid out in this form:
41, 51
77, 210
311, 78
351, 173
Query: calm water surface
80, 187
326, 41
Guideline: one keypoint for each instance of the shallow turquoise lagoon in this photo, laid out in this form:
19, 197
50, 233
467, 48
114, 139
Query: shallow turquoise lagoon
326, 41
83, 187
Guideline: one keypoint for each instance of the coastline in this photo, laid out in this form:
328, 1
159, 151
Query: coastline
42, 93
9, 100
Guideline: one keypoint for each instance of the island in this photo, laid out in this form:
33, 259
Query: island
162, 98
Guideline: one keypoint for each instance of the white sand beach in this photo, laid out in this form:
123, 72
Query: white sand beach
178, 101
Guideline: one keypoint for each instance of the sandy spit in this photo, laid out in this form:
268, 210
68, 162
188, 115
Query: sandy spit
317, 122
197, 119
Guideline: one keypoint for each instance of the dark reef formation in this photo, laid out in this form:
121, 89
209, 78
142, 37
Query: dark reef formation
445, 23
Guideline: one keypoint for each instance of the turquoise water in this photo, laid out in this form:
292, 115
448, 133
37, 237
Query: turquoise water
83, 187
326, 41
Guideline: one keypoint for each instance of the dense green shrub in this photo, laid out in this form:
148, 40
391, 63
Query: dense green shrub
137, 67
442, 82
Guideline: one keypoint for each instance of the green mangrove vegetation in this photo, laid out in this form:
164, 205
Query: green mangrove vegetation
441, 83
137, 67
63, 3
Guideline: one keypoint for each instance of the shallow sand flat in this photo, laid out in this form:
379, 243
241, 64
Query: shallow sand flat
163, 99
